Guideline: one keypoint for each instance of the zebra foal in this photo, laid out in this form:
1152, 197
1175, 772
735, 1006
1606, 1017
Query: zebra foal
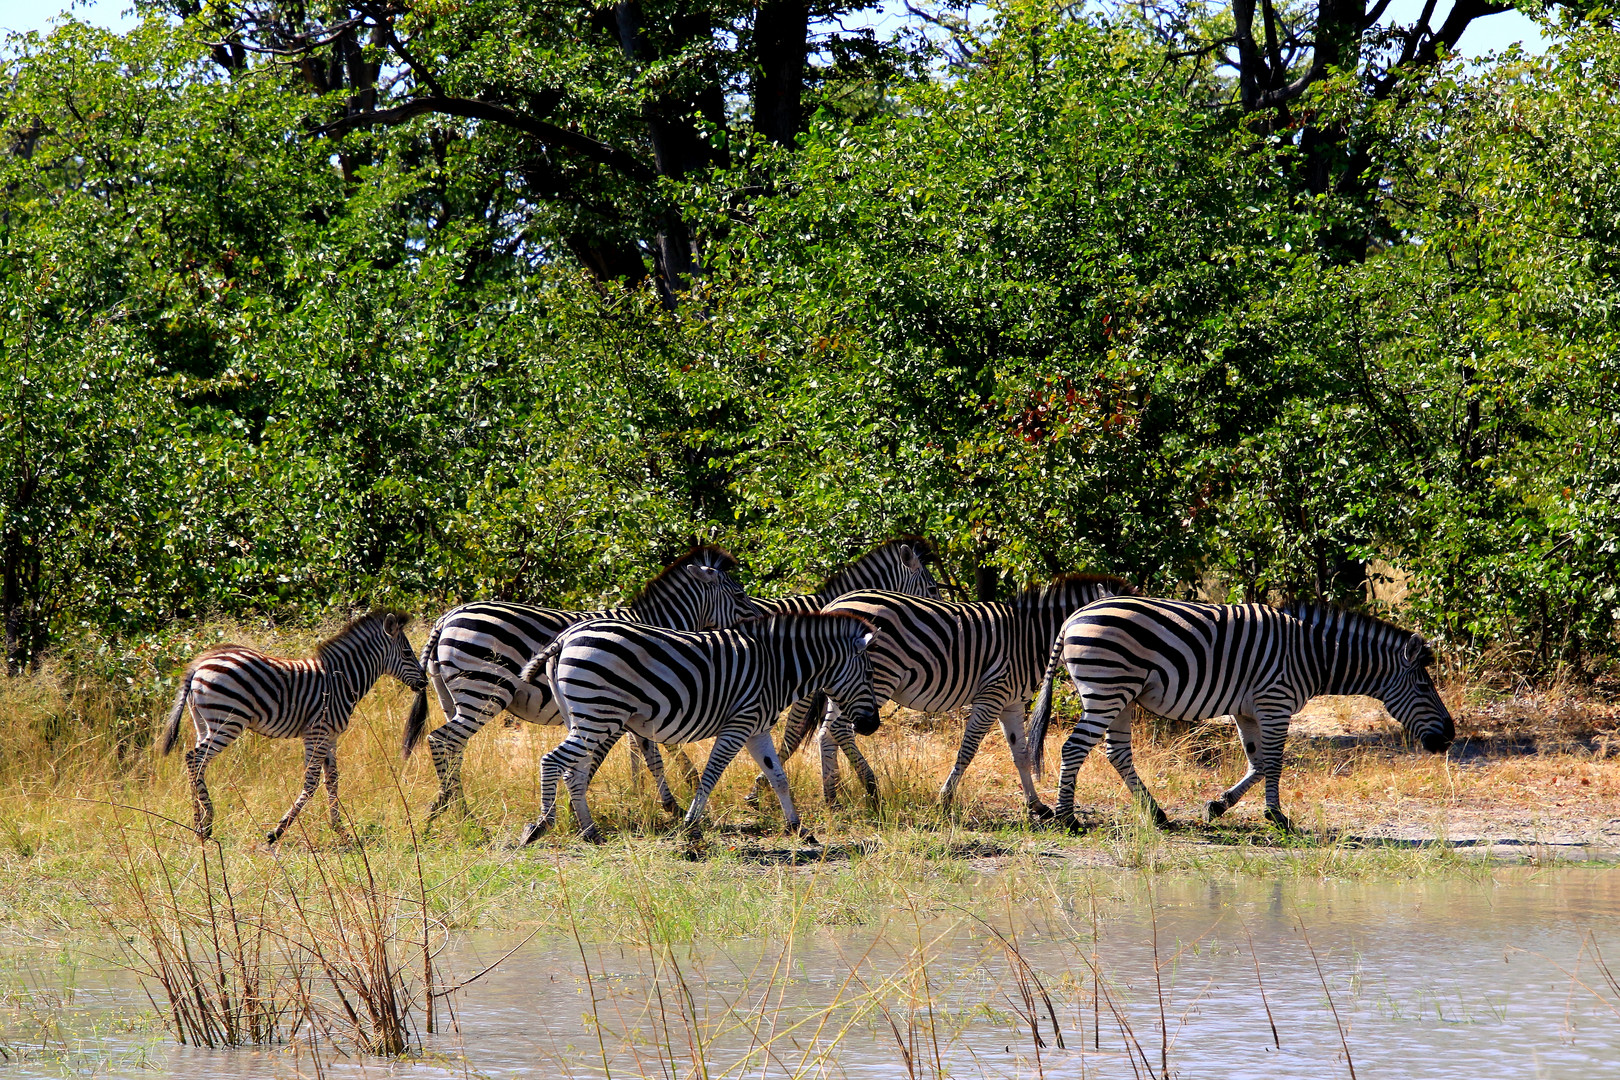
234, 687
1257, 663
610, 676
934, 656
475, 652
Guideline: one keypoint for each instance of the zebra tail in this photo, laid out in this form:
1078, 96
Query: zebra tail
534, 672
1040, 717
171, 732
416, 719
803, 718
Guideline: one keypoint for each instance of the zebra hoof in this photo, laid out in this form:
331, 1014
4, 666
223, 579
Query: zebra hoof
534, 831
1279, 819
1071, 825
592, 835
674, 809
1039, 811
1161, 820
271, 837
808, 837
1214, 809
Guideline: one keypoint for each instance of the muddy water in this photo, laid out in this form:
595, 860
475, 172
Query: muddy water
1466, 979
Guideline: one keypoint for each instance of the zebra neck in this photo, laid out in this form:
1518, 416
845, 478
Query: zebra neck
789, 662
350, 668
662, 610
1342, 662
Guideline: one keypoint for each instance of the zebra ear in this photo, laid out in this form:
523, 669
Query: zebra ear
708, 575
866, 639
1415, 652
909, 557
390, 625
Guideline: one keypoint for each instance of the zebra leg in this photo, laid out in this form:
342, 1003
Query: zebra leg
1093, 722
984, 713
725, 748
1012, 726
647, 752
1273, 734
1249, 733
197, 759
843, 734
1119, 756
764, 754
329, 767
800, 725
314, 763
829, 765
571, 756
448, 744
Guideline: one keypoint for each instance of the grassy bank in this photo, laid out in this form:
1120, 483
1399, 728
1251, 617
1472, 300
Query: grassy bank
78, 776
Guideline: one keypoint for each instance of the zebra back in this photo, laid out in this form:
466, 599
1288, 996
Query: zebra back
899, 565
688, 684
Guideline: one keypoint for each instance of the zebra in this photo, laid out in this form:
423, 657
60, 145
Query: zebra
675, 687
475, 652
232, 687
935, 655
1258, 663
899, 565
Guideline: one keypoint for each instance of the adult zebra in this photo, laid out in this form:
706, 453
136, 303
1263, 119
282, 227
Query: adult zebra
1257, 663
934, 656
673, 687
899, 565
232, 687
475, 653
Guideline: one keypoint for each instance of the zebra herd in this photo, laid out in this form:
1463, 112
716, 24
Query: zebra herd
694, 657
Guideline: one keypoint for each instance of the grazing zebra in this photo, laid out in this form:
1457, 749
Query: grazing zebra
1259, 664
474, 654
675, 687
232, 687
934, 656
899, 565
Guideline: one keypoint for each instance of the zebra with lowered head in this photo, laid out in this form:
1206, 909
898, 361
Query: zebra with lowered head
610, 676
1257, 663
234, 687
475, 652
933, 655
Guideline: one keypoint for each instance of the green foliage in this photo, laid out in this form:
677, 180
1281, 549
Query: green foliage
1053, 310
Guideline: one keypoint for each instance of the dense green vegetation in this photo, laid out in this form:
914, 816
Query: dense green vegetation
434, 300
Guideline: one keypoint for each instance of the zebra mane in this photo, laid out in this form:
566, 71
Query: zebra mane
375, 615
1316, 613
923, 548
707, 554
1119, 585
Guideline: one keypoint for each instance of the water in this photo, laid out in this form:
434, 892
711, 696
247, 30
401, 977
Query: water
1448, 978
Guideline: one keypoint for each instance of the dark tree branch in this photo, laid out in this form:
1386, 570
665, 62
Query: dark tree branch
614, 158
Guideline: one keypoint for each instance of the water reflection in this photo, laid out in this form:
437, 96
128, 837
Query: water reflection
1466, 979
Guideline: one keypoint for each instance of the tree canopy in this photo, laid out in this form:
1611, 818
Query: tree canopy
308, 306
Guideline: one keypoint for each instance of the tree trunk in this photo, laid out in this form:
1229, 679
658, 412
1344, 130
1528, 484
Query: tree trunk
780, 30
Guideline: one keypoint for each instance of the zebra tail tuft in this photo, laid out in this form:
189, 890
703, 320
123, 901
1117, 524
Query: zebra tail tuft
171, 731
416, 719
1040, 717
415, 722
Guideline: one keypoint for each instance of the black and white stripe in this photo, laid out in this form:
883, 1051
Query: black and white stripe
475, 653
610, 676
234, 687
1259, 664
899, 565
934, 656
